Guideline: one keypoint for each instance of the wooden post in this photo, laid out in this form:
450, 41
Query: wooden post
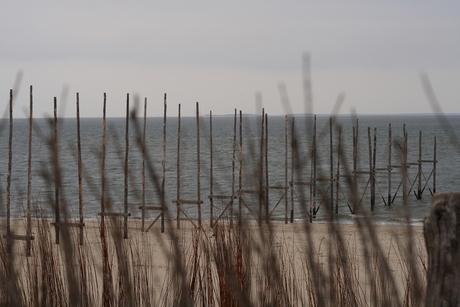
143, 165
293, 149
178, 169
29, 176
337, 183
125, 199
331, 158
313, 175
419, 188
211, 173
374, 154
441, 231
434, 166
233, 169
198, 171
286, 201
261, 168
80, 172
371, 169
355, 167
163, 169
55, 157
389, 165
240, 174
267, 189
104, 140
10, 167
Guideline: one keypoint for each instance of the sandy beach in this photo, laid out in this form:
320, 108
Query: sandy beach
152, 255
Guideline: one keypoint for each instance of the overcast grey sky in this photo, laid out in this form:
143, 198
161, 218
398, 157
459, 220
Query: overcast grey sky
221, 53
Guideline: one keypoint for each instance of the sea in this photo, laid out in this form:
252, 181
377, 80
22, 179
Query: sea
233, 145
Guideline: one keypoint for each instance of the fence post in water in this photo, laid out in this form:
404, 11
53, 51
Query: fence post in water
29, 176
211, 173
198, 182
178, 169
240, 172
125, 217
371, 169
293, 149
104, 140
10, 166
55, 157
80, 172
434, 166
261, 168
163, 169
441, 240
313, 175
286, 201
419, 188
389, 165
233, 170
339, 156
267, 187
143, 165
331, 158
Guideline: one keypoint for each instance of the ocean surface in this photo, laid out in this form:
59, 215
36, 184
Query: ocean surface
226, 169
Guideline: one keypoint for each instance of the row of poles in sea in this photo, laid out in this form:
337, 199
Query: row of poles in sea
289, 193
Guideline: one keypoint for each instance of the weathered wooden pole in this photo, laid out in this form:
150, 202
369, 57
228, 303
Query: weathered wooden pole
55, 157
10, 168
331, 160
389, 165
178, 170
198, 163
261, 167
211, 173
313, 175
267, 186
103, 153
419, 185
293, 150
126, 175
337, 181
371, 169
442, 236
143, 165
434, 166
163, 168
240, 172
29, 176
233, 168
286, 200
80, 172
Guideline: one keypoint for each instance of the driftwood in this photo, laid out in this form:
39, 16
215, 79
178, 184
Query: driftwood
442, 235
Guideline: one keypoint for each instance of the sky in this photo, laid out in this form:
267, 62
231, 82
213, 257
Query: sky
225, 54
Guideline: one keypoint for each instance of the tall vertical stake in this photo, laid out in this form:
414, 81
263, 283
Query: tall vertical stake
143, 164
261, 168
178, 169
233, 169
29, 175
10, 167
331, 158
293, 150
125, 217
286, 201
163, 169
198, 182
80, 172
374, 154
313, 174
240, 174
104, 140
371, 170
434, 166
211, 173
267, 188
337, 183
419, 188
389, 165
55, 156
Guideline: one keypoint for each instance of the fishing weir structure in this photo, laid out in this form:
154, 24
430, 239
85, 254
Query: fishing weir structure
316, 173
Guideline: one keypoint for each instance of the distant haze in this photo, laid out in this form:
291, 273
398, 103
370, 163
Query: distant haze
222, 53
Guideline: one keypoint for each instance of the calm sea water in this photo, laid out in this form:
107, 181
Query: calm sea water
42, 189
